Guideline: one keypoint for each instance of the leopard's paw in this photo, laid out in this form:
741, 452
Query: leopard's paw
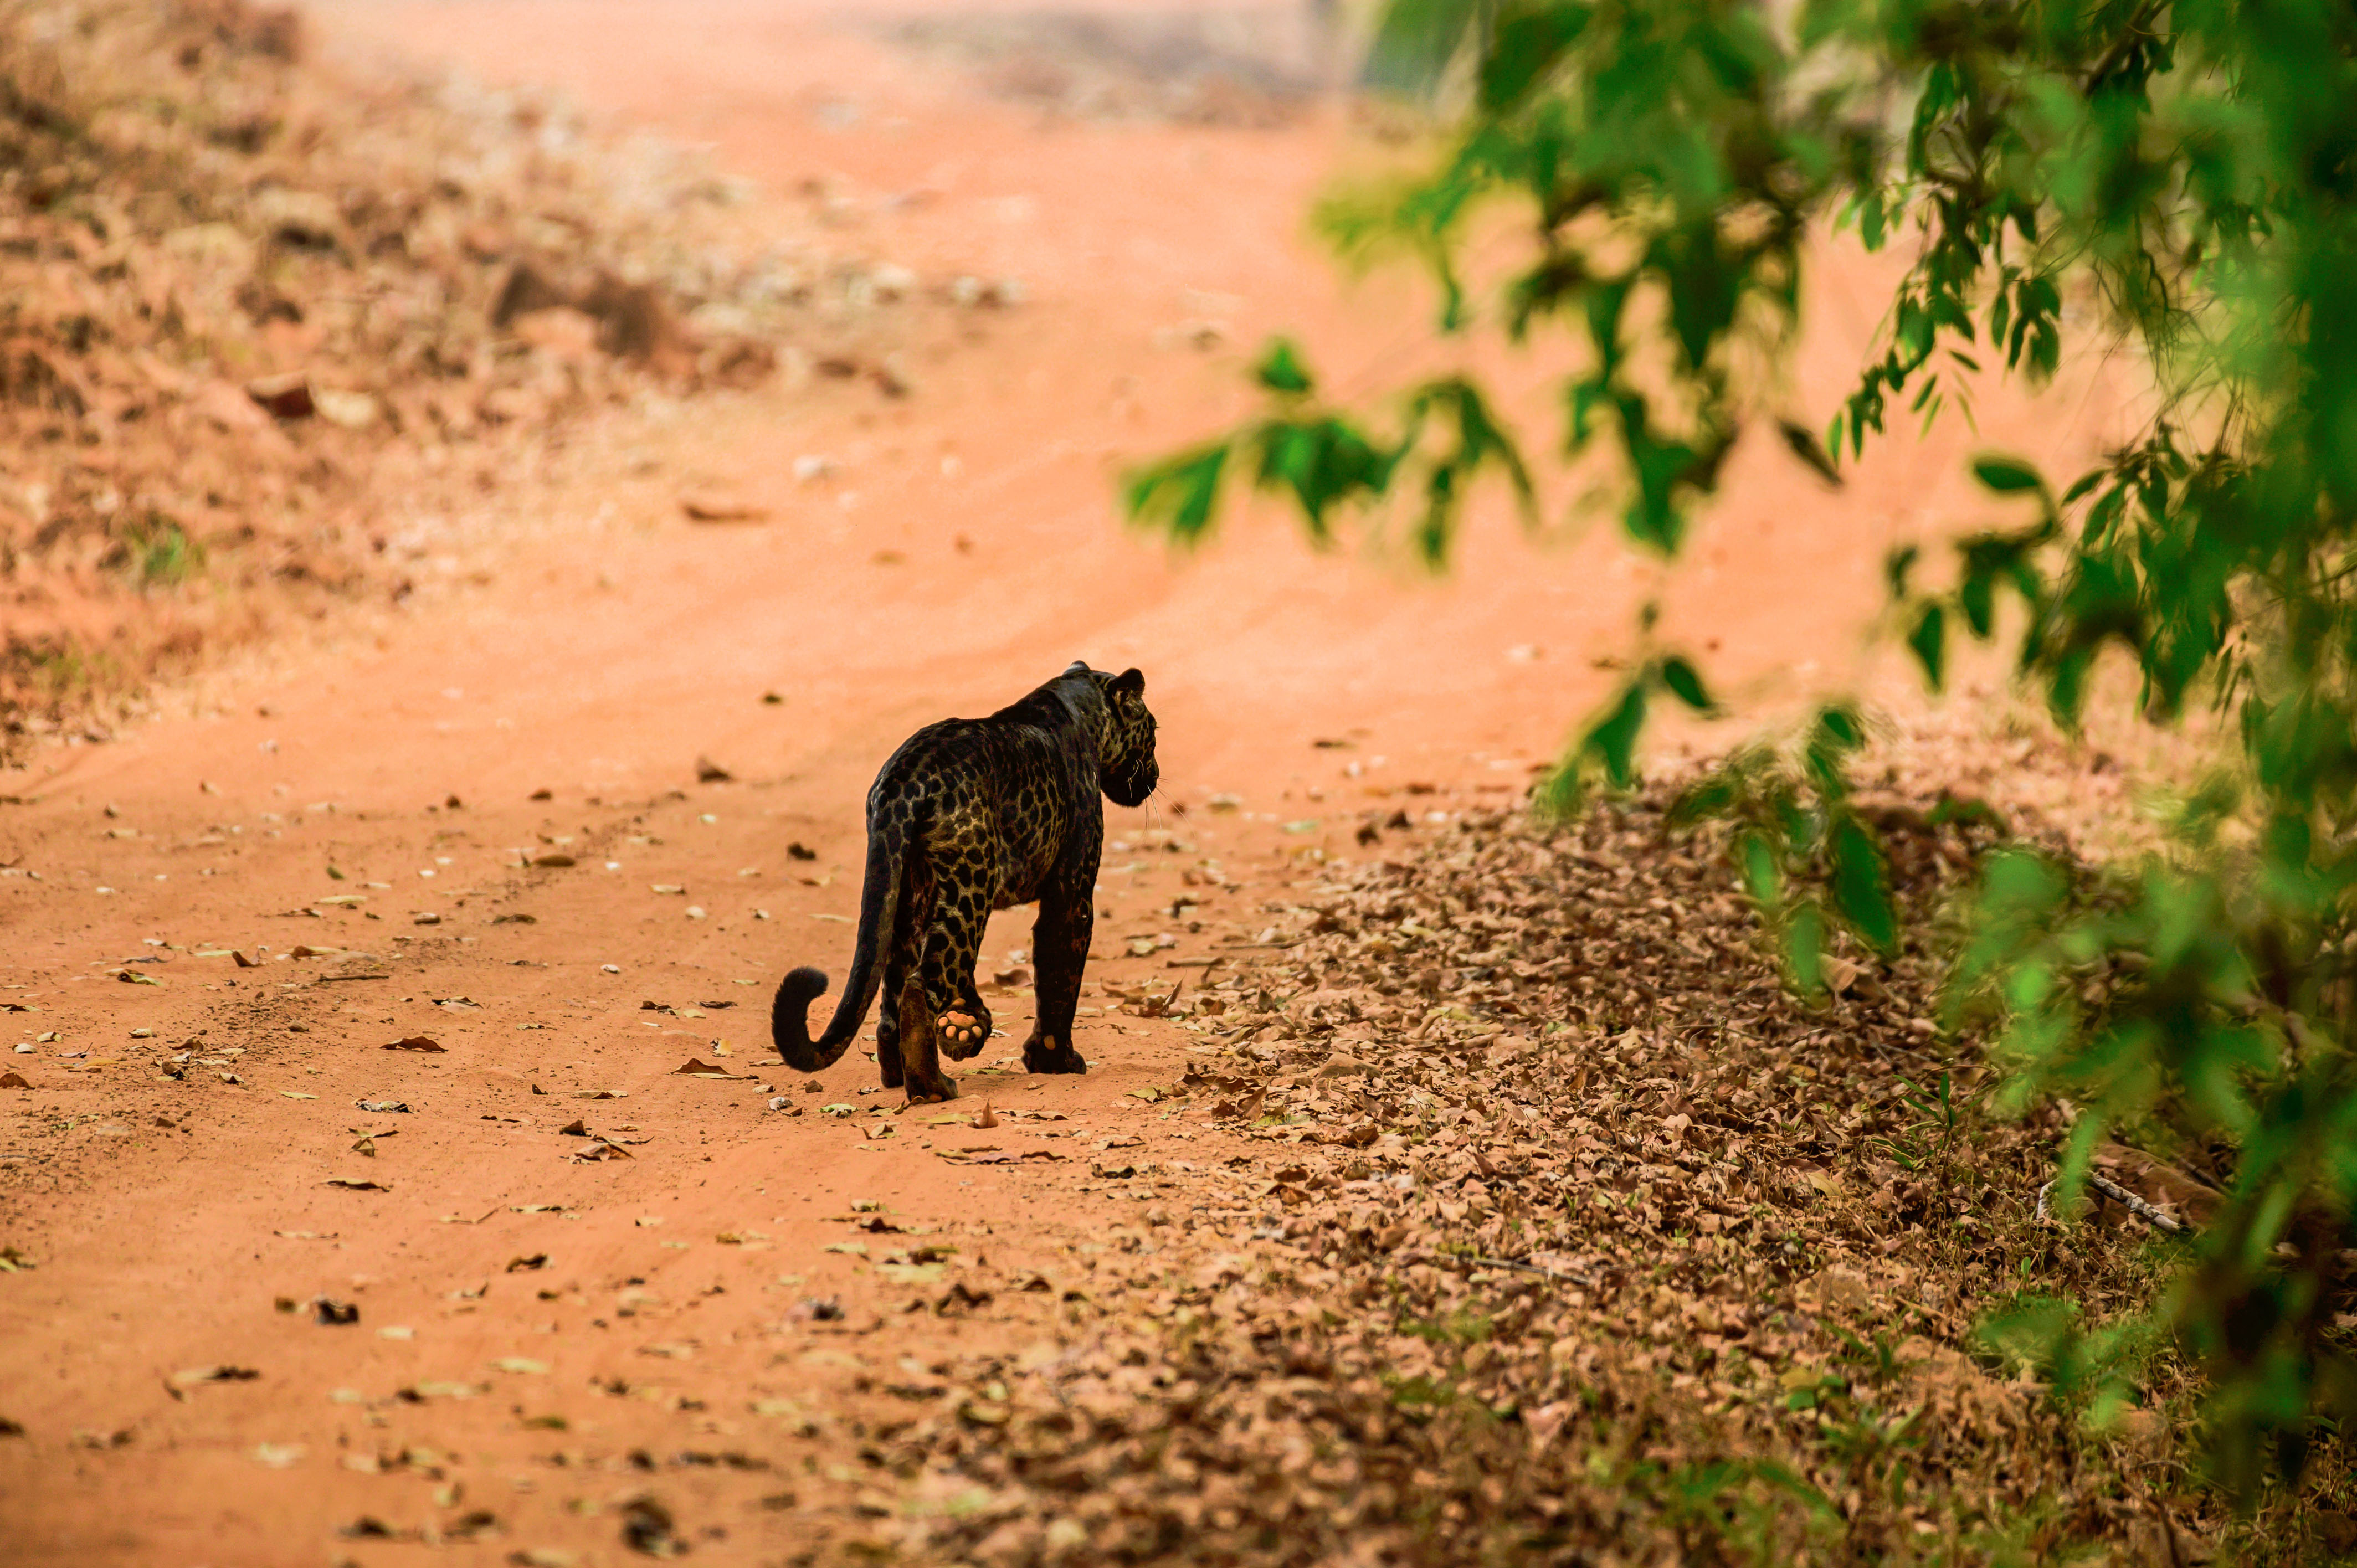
931, 1090
959, 1033
1043, 1054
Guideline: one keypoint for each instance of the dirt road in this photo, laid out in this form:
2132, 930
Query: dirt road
552, 1325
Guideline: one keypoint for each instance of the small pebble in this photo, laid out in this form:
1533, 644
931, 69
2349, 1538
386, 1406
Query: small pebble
609, 968
777, 1102
24, 1050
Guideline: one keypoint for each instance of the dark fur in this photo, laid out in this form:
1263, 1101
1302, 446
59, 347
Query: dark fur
972, 815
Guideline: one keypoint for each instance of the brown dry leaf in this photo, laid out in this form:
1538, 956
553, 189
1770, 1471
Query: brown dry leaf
696, 1069
414, 1043
710, 772
350, 1185
708, 508
282, 397
13, 1079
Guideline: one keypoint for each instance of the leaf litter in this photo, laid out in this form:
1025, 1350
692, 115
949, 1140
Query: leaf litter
1564, 1233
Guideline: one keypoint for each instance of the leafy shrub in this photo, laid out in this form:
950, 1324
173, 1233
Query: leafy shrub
2192, 170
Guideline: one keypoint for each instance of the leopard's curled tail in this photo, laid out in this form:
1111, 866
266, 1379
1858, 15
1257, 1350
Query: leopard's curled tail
879, 907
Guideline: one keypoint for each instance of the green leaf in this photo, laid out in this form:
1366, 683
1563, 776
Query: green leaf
2007, 477
1804, 948
1525, 44
1416, 41
1761, 878
1180, 494
1280, 369
1685, 684
1612, 740
1929, 642
1861, 886
1803, 443
1898, 567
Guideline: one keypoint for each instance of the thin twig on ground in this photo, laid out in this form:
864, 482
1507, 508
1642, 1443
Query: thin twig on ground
2166, 1224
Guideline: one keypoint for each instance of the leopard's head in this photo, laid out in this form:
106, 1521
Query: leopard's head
1125, 764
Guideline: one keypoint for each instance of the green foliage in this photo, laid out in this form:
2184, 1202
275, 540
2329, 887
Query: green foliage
157, 553
1605, 752
1446, 435
1801, 845
2179, 179
2094, 1373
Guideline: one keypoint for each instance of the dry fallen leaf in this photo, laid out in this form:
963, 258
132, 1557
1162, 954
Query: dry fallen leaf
414, 1043
721, 509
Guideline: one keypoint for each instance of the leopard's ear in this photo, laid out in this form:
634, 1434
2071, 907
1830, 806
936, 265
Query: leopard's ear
1132, 681
1077, 667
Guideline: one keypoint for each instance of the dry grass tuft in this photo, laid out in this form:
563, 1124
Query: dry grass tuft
246, 305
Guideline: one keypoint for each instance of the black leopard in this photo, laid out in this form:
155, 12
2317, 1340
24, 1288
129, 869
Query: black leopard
972, 815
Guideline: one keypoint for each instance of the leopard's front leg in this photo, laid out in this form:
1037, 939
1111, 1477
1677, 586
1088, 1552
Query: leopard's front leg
1059, 952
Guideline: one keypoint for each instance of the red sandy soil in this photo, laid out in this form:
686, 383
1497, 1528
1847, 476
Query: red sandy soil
962, 547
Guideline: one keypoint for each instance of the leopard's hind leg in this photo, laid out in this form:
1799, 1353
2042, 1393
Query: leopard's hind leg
961, 1022
920, 1061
